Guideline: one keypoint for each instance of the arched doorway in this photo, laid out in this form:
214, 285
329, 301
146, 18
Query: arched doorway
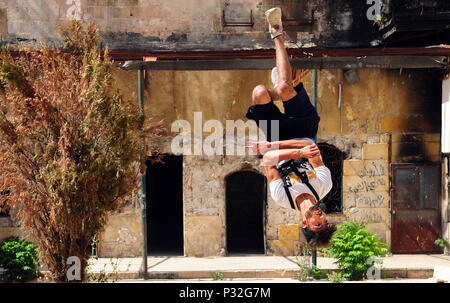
246, 196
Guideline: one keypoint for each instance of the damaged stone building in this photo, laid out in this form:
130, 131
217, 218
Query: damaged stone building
377, 76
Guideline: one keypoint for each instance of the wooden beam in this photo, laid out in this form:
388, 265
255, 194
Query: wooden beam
379, 62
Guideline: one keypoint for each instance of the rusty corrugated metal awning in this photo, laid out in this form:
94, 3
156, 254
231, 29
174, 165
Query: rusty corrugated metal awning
394, 58
381, 62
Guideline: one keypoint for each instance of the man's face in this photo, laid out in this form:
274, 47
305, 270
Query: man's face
316, 219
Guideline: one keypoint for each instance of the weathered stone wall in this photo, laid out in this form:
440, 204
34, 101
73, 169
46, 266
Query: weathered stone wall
366, 190
123, 235
376, 113
204, 201
149, 25
386, 117
8, 228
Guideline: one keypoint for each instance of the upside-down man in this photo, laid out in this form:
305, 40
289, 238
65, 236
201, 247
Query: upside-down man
297, 128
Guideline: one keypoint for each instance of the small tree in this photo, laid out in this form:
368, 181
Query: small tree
355, 248
70, 144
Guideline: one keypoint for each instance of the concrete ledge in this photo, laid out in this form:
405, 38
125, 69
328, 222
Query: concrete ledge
441, 274
260, 267
260, 274
394, 273
419, 273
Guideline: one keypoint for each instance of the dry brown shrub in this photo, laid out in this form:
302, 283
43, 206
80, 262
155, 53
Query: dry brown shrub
69, 144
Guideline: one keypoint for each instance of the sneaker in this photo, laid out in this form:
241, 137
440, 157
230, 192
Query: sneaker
273, 16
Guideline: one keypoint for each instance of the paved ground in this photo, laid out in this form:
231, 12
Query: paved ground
267, 268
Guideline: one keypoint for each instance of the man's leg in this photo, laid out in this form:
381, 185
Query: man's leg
302, 119
264, 112
284, 88
261, 95
284, 84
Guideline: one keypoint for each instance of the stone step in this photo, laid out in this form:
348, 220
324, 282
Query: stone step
416, 273
441, 273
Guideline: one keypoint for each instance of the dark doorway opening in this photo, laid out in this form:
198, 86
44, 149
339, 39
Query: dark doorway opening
164, 189
333, 158
246, 196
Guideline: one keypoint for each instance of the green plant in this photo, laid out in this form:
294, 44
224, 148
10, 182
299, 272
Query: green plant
303, 265
442, 243
316, 272
324, 252
19, 259
355, 249
104, 275
218, 275
336, 277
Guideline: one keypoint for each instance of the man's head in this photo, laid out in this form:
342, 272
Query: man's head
316, 228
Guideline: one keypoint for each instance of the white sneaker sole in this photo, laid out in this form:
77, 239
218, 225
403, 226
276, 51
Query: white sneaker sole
273, 16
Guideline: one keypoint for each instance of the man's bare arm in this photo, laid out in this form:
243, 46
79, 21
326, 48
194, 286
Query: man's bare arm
316, 161
291, 144
311, 152
274, 156
261, 147
272, 173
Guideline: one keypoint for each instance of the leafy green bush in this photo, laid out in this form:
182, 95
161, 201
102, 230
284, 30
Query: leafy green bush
19, 259
316, 272
353, 245
336, 277
442, 243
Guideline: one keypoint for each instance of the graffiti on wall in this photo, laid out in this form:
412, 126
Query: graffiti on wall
367, 216
372, 177
376, 200
371, 192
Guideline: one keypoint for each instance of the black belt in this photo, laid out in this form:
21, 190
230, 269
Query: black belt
292, 166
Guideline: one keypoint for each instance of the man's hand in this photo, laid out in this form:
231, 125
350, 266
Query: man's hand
259, 147
310, 151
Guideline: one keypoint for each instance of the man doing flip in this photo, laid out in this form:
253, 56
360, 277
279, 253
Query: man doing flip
297, 130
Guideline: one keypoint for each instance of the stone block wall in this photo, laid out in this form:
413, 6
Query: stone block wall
366, 190
290, 240
370, 128
368, 145
122, 235
8, 228
204, 190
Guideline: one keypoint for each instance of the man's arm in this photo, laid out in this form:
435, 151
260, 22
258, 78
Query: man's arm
316, 161
261, 147
272, 173
291, 144
271, 159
